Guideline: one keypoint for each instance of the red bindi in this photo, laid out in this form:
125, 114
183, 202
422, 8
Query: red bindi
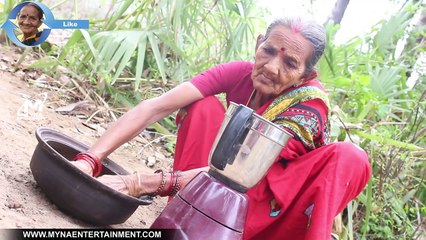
282, 49
297, 28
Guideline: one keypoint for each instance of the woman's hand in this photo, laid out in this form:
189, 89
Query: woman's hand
83, 166
163, 184
122, 183
88, 163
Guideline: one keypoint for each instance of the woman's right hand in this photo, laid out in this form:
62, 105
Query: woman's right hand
88, 163
83, 166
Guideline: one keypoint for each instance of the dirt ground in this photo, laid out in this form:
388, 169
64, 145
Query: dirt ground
22, 203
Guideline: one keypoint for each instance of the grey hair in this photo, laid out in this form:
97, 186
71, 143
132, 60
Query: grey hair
37, 7
311, 31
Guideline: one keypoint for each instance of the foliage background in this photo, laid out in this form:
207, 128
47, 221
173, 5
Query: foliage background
140, 49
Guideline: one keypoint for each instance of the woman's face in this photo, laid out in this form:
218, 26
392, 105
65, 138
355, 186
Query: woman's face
280, 61
29, 21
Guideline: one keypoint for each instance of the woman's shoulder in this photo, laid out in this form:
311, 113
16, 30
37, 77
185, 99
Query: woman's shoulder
236, 69
230, 70
241, 64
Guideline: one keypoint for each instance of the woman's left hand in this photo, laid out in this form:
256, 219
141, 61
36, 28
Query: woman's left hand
120, 183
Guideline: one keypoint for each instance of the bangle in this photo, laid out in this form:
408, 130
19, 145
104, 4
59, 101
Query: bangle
162, 184
98, 167
93, 160
132, 188
138, 186
167, 190
90, 162
176, 184
125, 183
139, 178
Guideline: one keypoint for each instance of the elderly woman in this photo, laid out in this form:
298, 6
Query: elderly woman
311, 182
29, 20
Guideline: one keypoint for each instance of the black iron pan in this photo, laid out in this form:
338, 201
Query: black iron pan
74, 192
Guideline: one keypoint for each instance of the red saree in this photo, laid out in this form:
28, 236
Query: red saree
310, 183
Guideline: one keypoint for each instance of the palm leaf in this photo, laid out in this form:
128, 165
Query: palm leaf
140, 60
116, 48
384, 81
157, 55
385, 37
111, 24
89, 42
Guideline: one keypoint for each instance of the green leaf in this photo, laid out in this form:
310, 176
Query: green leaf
118, 47
384, 81
75, 37
47, 64
387, 141
409, 196
157, 55
131, 45
111, 24
89, 42
140, 60
385, 37
365, 110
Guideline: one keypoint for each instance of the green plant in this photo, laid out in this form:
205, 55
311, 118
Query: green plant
374, 108
144, 45
171, 40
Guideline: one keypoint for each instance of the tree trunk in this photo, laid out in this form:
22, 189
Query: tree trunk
338, 11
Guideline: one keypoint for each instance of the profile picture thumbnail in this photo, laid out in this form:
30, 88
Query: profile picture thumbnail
30, 21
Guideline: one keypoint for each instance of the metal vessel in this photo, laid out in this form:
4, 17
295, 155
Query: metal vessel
214, 204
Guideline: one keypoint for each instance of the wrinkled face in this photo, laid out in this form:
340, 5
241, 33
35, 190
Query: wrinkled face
28, 20
280, 61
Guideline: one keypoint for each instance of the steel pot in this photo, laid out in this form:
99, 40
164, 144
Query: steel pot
74, 192
245, 147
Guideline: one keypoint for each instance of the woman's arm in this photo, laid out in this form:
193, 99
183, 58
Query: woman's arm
137, 119
145, 113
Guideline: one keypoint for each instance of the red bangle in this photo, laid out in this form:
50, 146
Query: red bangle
98, 164
93, 160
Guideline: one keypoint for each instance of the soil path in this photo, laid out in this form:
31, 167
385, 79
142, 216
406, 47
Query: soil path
22, 203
